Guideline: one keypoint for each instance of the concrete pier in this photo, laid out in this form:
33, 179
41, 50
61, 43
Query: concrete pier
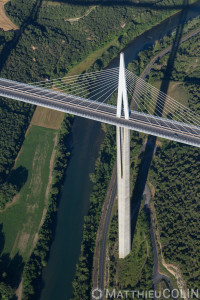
123, 166
123, 183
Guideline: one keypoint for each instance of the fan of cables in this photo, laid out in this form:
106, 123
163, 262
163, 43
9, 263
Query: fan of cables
151, 101
97, 86
100, 86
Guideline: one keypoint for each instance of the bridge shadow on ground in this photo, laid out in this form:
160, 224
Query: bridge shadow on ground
150, 147
11, 45
10, 268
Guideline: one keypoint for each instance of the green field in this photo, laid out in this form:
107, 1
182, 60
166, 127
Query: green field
22, 218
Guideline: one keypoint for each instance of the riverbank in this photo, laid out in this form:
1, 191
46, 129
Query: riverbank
87, 127
143, 75
38, 259
58, 255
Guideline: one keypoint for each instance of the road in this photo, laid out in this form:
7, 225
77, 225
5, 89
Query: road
156, 275
149, 124
167, 50
104, 236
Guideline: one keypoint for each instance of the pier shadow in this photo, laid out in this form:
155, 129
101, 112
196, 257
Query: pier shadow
141, 179
150, 147
170, 64
10, 268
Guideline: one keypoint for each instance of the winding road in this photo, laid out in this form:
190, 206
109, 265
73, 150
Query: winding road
156, 275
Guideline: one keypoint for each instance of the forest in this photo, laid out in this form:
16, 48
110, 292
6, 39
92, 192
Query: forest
172, 161
174, 173
48, 46
126, 278
174, 169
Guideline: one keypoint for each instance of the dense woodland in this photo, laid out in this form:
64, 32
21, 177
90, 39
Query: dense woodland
175, 175
56, 45
174, 170
15, 118
100, 178
48, 46
179, 166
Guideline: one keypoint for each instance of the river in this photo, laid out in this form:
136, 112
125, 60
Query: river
86, 139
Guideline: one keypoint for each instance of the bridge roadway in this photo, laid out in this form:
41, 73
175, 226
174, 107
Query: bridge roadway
105, 113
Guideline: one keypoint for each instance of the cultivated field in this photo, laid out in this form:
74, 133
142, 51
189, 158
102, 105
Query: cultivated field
47, 118
5, 22
22, 219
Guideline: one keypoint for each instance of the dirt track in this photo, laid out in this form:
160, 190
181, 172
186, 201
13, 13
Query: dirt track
5, 22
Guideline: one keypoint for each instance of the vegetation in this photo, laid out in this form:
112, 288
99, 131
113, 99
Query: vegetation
31, 173
144, 57
174, 168
48, 47
101, 177
82, 282
38, 259
175, 176
15, 118
6, 292
122, 274
47, 118
40, 52
125, 273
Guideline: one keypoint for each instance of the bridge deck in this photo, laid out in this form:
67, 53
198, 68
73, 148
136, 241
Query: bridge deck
105, 113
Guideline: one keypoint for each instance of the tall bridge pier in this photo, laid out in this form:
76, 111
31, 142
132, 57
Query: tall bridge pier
185, 128
123, 166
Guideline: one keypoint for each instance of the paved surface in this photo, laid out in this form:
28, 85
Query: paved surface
167, 50
99, 245
104, 237
156, 275
105, 113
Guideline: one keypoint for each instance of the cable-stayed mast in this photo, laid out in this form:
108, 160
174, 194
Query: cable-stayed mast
123, 167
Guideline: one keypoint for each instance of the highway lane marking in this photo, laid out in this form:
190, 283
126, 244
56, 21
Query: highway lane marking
107, 106
104, 112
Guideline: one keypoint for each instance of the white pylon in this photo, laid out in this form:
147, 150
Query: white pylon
122, 90
123, 167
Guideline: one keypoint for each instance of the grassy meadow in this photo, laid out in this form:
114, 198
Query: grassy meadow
22, 218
